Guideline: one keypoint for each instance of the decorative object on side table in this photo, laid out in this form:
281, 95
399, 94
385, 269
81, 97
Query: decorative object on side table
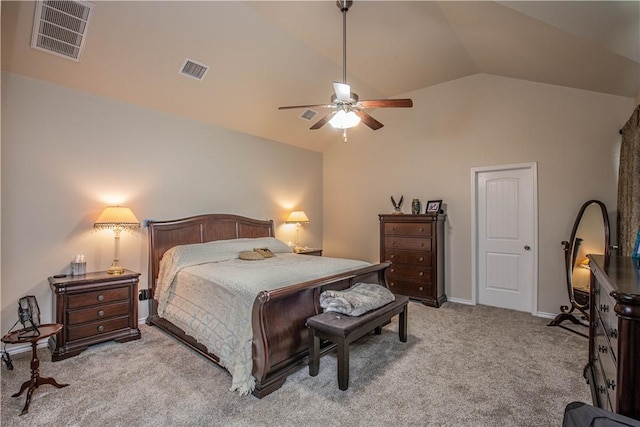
433, 207
397, 206
298, 218
93, 308
18, 337
416, 206
309, 251
117, 218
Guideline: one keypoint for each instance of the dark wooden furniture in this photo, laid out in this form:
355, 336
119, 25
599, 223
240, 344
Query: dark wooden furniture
93, 308
23, 337
613, 371
415, 246
280, 339
343, 330
310, 251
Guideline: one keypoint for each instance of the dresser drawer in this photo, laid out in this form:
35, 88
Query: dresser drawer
411, 289
98, 297
409, 272
103, 311
97, 328
418, 258
604, 395
413, 243
408, 229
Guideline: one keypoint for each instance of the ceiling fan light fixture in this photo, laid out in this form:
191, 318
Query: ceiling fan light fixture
344, 120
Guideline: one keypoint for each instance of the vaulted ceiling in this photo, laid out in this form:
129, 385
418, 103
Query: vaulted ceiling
265, 54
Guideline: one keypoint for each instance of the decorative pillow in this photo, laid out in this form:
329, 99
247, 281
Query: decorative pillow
250, 256
265, 252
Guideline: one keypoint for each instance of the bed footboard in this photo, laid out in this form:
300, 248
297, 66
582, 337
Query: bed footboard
280, 343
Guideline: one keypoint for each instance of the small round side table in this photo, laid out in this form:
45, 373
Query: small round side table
23, 337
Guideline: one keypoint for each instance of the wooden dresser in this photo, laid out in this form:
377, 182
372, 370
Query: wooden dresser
415, 246
93, 308
613, 371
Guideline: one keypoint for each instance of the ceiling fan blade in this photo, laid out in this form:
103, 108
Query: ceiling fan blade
368, 120
386, 103
343, 91
323, 121
306, 106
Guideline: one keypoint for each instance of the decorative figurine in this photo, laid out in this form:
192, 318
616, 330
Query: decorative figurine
397, 206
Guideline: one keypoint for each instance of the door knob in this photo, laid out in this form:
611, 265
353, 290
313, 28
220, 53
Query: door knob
527, 247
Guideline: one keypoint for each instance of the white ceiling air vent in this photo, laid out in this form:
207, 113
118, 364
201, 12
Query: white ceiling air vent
193, 69
308, 114
60, 27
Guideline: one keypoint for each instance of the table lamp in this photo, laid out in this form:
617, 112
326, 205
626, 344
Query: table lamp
116, 218
297, 218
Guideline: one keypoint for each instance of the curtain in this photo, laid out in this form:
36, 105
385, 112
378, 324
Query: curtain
629, 185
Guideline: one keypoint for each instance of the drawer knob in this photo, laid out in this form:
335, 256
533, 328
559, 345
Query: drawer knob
393, 242
421, 259
421, 244
392, 270
101, 313
421, 274
393, 229
392, 284
420, 288
421, 229
100, 328
392, 256
100, 297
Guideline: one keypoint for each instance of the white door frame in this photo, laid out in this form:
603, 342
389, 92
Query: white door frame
533, 167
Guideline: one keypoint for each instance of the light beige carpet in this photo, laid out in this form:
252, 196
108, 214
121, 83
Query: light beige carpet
462, 366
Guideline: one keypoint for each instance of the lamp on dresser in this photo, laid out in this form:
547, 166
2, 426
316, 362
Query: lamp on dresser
116, 218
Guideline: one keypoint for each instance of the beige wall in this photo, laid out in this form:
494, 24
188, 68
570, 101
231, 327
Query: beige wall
68, 154
428, 152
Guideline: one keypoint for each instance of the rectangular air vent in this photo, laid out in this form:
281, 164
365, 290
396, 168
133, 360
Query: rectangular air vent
308, 114
60, 27
193, 69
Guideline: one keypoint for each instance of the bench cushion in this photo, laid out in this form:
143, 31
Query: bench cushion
342, 325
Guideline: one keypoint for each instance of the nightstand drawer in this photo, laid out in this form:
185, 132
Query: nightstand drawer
104, 311
97, 328
413, 243
408, 229
98, 297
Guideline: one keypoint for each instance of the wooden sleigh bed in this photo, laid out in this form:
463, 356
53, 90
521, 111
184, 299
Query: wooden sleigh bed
278, 317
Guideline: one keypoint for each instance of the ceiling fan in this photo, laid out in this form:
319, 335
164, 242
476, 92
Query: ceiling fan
347, 107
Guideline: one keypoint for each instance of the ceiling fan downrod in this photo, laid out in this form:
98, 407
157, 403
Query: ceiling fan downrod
344, 6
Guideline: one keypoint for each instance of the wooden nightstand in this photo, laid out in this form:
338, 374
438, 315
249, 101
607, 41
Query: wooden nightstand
93, 308
310, 251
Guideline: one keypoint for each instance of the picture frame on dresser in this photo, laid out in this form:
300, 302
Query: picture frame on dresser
433, 207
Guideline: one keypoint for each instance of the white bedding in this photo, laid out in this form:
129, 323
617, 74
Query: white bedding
207, 291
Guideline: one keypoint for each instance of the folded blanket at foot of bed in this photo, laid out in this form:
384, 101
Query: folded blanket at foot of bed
357, 300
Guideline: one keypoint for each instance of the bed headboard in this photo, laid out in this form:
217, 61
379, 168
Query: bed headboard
163, 235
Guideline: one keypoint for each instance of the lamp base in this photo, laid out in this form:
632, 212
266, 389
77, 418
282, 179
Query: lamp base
115, 269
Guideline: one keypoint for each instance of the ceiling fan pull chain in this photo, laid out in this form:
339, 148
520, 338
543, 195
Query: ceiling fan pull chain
344, 135
345, 9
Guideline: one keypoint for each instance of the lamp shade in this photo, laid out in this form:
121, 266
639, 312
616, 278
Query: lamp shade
297, 217
116, 217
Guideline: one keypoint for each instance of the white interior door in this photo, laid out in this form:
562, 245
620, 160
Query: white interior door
505, 248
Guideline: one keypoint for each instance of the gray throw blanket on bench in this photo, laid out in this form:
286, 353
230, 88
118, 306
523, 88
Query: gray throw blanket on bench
357, 300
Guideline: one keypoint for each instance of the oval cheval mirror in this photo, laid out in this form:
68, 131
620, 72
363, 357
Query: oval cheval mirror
589, 236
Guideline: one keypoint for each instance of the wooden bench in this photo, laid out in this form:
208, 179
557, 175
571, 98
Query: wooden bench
343, 330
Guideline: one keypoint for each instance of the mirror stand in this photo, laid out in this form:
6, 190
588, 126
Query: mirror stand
590, 235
